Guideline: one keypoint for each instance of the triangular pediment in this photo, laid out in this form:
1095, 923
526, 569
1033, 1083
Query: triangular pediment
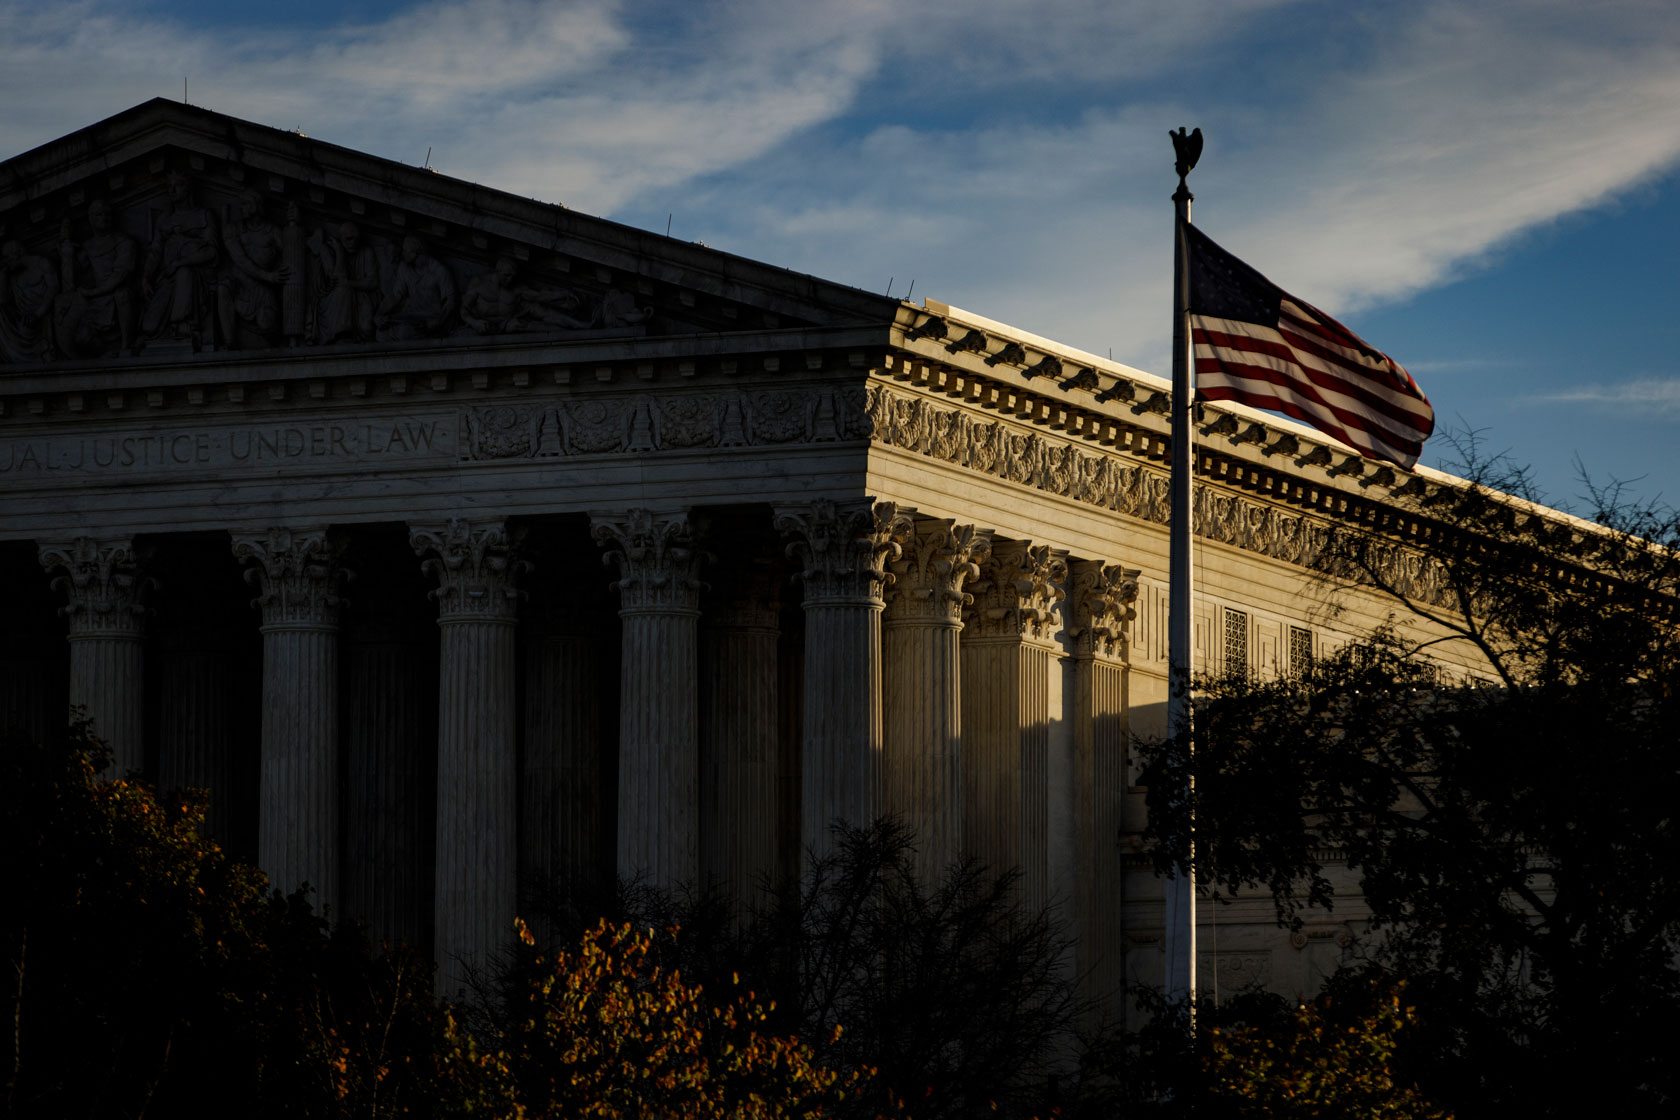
169, 230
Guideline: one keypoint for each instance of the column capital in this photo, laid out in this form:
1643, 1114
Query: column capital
476, 565
297, 575
104, 585
1100, 606
843, 548
928, 576
1017, 595
657, 558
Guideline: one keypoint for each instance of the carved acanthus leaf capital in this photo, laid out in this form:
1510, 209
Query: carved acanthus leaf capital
657, 559
843, 549
1100, 605
297, 574
1018, 592
105, 588
928, 577
477, 568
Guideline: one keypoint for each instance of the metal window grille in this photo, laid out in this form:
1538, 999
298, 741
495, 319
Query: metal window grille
1236, 641
1300, 650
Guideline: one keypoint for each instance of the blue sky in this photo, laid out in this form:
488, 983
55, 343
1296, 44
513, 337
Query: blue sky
1487, 190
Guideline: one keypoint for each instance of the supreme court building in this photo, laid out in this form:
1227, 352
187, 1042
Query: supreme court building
457, 542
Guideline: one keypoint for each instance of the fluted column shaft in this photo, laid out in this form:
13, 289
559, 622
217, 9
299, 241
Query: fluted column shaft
738, 733
560, 789
106, 609
389, 807
196, 728
475, 880
1101, 598
298, 577
922, 740
1008, 655
843, 549
658, 760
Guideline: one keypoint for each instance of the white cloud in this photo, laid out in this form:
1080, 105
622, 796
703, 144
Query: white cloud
1645, 398
1351, 167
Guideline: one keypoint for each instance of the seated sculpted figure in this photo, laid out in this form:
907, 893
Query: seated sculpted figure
247, 302
95, 311
179, 267
420, 303
496, 303
27, 288
349, 282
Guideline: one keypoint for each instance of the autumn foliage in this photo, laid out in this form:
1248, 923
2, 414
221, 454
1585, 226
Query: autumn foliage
151, 973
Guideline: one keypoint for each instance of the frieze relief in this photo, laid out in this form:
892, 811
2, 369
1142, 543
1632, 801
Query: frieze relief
674, 422
185, 260
1042, 462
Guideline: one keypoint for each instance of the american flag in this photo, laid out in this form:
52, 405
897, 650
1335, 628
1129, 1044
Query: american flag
1257, 344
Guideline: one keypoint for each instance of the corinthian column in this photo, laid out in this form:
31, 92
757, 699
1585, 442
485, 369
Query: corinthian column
843, 550
738, 729
1100, 605
298, 578
658, 736
922, 755
476, 873
1009, 652
107, 615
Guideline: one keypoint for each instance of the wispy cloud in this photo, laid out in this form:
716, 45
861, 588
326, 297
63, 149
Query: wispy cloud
1007, 154
1643, 397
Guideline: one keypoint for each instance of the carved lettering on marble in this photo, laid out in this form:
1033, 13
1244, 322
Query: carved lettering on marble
246, 446
105, 589
1042, 462
297, 573
1017, 593
676, 421
476, 565
844, 549
1100, 604
937, 559
657, 558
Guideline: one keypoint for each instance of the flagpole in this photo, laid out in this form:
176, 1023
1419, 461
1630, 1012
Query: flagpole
1181, 889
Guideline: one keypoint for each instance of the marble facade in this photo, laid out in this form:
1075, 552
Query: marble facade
459, 542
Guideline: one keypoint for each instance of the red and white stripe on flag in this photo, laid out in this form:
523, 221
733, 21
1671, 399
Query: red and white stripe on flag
1312, 368
1255, 343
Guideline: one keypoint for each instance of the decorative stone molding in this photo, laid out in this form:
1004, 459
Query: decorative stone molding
1016, 594
103, 584
843, 549
297, 575
656, 556
929, 574
665, 422
1028, 458
1099, 606
476, 565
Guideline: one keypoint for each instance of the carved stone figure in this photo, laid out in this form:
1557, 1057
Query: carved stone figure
421, 299
496, 303
27, 287
618, 309
247, 299
94, 313
349, 282
179, 266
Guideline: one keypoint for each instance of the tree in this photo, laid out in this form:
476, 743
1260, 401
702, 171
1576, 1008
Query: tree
956, 995
1513, 830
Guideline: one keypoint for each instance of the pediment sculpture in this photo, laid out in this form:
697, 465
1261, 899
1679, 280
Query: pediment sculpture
207, 263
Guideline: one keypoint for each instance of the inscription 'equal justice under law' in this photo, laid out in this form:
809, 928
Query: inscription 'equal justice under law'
225, 447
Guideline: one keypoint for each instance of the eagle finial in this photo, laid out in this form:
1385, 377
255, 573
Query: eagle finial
1188, 148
